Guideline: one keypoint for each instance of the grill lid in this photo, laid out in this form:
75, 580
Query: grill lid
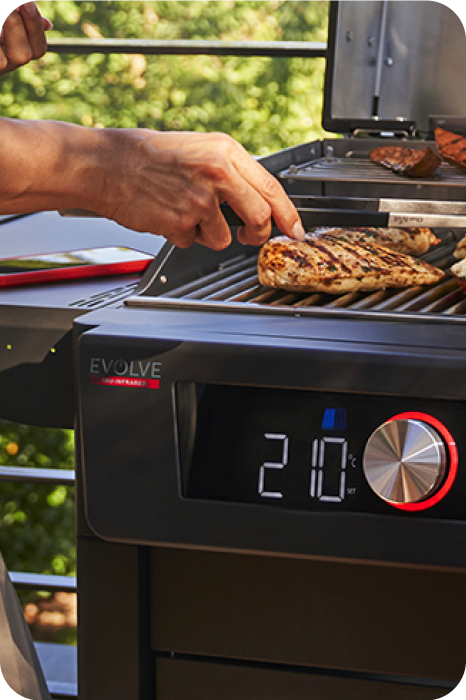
392, 64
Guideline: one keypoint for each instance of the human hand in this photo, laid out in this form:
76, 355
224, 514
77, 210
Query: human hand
172, 184
22, 38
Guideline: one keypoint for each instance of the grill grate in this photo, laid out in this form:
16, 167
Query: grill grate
355, 166
235, 286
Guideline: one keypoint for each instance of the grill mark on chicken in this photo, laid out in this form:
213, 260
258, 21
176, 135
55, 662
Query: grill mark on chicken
332, 258
299, 259
381, 255
337, 267
411, 241
390, 258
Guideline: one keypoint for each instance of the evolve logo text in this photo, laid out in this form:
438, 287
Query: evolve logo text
142, 374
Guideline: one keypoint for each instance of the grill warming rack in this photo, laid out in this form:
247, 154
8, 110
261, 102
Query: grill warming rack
356, 166
234, 287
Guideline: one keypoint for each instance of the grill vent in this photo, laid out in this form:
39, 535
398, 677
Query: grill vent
109, 296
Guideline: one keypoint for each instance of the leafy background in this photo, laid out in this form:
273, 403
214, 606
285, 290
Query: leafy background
265, 103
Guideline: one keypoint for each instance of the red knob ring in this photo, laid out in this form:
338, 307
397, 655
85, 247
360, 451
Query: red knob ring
452, 472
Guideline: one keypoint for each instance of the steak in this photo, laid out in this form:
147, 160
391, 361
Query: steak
451, 147
412, 162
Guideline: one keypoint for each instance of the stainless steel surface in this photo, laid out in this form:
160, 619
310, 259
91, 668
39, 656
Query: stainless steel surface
390, 205
381, 44
408, 220
423, 57
423, 206
404, 461
406, 213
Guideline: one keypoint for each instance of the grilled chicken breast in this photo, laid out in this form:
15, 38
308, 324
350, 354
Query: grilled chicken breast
460, 250
451, 147
413, 162
412, 241
459, 269
334, 266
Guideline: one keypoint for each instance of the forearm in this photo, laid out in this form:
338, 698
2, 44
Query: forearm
50, 165
165, 183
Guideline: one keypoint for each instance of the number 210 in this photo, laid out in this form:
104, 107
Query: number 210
316, 488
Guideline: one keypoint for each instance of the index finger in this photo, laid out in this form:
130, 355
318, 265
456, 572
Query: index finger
250, 206
283, 210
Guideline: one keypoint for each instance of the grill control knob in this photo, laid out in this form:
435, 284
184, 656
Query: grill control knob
404, 461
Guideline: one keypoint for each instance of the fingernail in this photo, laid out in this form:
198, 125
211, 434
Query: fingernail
298, 231
48, 24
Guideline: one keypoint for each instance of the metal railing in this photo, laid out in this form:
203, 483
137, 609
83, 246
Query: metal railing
189, 47
33, 475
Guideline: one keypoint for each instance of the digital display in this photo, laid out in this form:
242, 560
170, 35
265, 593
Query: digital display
299, 449
288, 448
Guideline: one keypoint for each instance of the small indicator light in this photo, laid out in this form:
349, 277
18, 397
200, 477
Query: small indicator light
9, 347
53, 350
334, 419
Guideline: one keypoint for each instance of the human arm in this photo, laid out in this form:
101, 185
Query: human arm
168, 183
22, 38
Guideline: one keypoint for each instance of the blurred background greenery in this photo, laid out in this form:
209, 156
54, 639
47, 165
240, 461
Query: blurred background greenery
37, 525
37, 521
265, 103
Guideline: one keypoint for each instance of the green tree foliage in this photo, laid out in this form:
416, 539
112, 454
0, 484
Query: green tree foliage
37, 531
37, 521
265, 103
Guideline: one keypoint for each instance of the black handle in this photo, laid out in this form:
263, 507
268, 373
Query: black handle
313, 217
